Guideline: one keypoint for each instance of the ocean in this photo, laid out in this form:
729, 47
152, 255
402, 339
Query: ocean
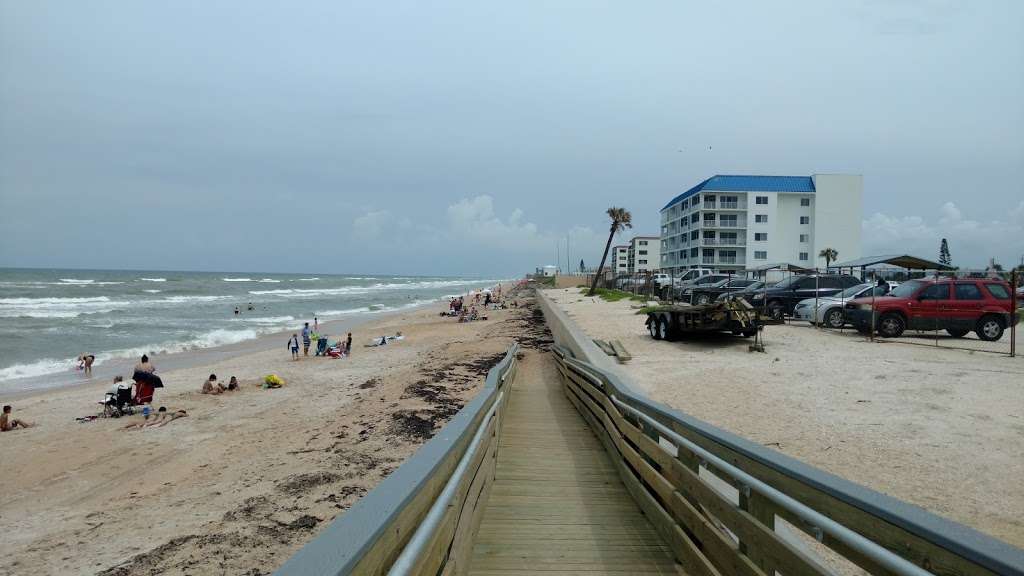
49, 317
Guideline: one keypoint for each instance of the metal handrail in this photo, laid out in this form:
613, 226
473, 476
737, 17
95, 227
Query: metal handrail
406, 562
339, 548
855, 541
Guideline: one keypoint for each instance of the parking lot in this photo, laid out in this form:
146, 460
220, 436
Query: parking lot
937, 426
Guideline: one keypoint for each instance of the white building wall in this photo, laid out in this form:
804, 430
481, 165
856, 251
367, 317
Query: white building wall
653, 256
838, 208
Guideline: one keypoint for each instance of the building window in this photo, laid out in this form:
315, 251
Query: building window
694, 218
693, 252
643, 242
761, 200
760, 255
761, 237
803, 255
805, 219
643, 261
805, 201
761, 218
643, 252
804, 237
694, 235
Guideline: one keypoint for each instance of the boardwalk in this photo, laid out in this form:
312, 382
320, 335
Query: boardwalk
557, 505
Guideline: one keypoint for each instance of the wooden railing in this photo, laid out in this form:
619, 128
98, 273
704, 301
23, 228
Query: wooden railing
717, 500
421, 519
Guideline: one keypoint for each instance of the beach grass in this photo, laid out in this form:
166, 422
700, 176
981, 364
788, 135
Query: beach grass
609, 295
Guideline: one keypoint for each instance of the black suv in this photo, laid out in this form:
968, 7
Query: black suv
781, 298
708, 293
681, 293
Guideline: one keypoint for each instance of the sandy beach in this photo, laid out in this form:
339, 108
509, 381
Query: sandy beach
248, 476
939, 428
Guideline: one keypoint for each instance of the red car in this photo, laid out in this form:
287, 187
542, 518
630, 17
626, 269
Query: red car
956, 305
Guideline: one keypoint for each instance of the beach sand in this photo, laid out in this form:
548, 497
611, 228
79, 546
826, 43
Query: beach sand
938, 428
249, 476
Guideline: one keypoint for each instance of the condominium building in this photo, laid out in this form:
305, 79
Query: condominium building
644, 254
733, 223
620, 259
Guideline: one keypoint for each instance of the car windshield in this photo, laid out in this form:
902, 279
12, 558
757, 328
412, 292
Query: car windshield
852, 291
907, 289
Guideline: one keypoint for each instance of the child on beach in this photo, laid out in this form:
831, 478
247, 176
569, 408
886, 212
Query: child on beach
8, 424
211, 386
233, 383
294, 345
85, 363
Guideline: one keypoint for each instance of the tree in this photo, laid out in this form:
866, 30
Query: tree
829, 254
944, 257
621, 219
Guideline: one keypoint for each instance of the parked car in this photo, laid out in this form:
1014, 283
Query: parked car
705, 293
661, 280
680, 292
957, 306
691, 275
780, 299
830, 309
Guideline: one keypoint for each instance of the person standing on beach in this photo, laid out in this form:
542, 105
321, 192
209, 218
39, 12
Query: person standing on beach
316, 324
305, 339
348, 344
144, 381
293, 343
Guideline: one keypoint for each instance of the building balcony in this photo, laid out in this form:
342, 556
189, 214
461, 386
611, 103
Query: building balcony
732, 205
723, 241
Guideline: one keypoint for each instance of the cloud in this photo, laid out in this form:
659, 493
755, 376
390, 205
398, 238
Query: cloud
972, 242
474, 233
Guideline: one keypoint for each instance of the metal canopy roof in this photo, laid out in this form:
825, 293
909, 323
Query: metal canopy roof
780, 266
900, 260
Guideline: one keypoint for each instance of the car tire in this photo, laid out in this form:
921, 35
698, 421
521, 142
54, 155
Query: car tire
891, 325
700, 299
990, 328
957, 332
775, 310
834, 318
652, 327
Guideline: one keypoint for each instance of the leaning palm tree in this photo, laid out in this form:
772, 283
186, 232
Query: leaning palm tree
621, 219
829, 254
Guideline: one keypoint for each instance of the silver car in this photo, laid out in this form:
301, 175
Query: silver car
829, 310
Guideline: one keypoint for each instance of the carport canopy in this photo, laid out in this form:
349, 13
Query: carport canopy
780, 266
899, 260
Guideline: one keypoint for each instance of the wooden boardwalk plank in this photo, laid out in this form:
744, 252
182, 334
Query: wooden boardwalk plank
557, 506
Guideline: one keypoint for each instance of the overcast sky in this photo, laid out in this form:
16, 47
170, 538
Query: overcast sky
455, 138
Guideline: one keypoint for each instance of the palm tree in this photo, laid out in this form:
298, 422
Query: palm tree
829, 254
621, 219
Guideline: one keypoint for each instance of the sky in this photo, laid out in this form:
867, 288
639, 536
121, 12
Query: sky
481, 137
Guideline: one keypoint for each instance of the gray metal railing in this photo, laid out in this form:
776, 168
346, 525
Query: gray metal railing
371, 535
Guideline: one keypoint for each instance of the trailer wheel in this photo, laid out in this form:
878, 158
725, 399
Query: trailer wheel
663, 328
652, 327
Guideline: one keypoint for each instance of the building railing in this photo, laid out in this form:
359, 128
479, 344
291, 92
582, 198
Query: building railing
421, 519
720, 501
722, 241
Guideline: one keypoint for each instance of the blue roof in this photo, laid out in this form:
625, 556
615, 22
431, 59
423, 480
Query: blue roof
803, 184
